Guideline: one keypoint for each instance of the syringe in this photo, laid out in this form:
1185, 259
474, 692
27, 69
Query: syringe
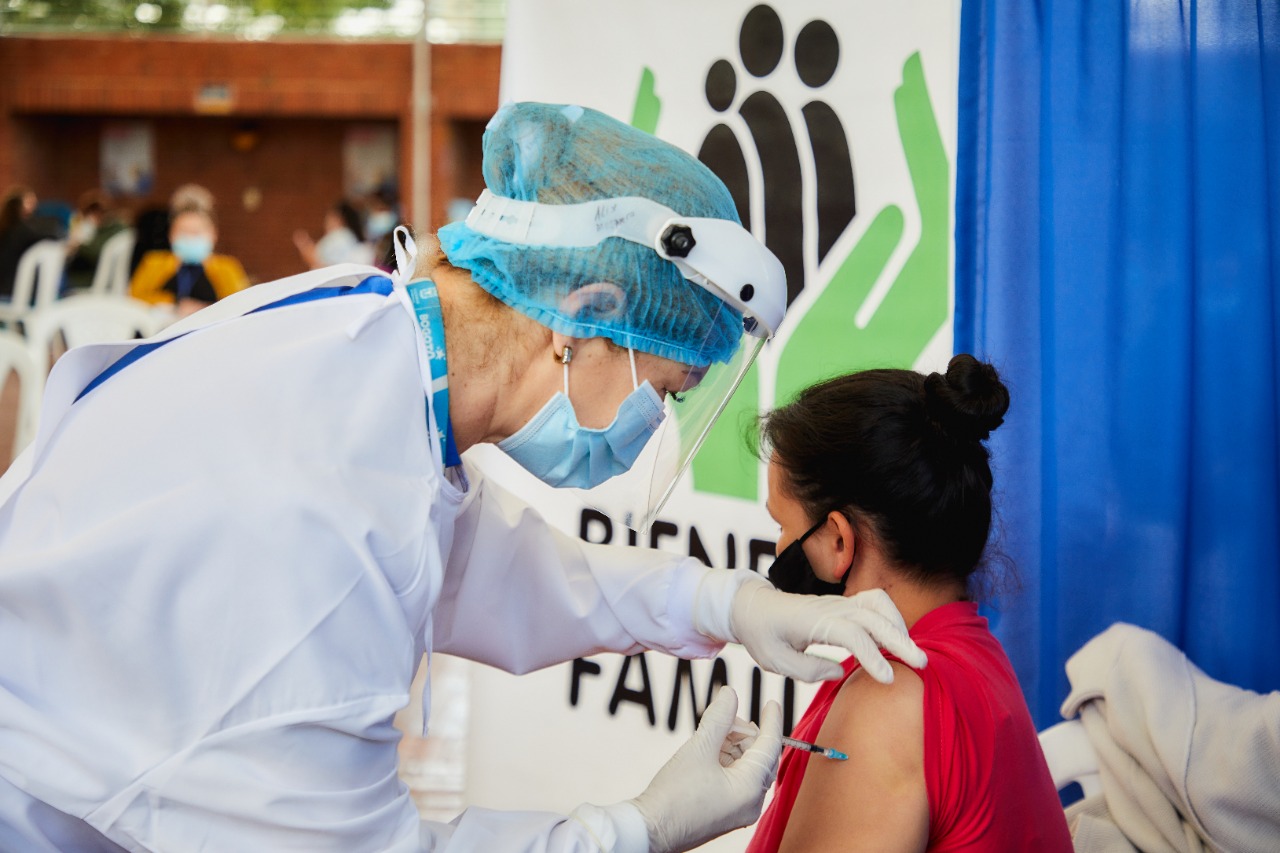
825, 751
742, 727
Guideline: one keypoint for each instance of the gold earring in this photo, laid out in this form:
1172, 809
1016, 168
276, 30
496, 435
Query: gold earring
566, 356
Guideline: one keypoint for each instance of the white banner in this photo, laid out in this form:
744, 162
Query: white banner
834, 126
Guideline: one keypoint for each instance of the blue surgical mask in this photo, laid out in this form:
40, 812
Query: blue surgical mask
192, 249
380, 223
560, 452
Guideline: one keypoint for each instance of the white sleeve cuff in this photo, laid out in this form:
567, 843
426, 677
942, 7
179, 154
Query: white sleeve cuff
713, 601
618, 828
686, 639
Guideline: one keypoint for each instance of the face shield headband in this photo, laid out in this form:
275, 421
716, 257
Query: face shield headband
715, 254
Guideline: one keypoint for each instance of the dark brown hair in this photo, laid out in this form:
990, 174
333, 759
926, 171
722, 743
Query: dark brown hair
11, 212
351, 218
902, 455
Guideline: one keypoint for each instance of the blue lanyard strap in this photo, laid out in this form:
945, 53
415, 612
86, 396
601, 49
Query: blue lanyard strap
425, 299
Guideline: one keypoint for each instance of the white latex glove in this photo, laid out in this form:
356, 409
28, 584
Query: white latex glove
776, 627
713, 784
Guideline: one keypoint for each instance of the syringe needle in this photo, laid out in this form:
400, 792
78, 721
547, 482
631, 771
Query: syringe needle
825, 751
742, 727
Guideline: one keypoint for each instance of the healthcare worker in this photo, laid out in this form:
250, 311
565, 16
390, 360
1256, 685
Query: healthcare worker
230, 546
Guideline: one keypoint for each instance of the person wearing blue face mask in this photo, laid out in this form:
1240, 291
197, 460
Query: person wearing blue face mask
248, 619
381, 218
189, 276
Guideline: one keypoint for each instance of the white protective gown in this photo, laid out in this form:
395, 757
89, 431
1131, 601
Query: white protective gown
219, 569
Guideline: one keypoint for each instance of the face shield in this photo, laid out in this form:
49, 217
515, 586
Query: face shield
717, 255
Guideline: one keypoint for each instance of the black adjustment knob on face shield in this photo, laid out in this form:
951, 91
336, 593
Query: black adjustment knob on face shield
677, 241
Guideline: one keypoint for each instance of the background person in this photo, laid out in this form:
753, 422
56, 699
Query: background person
91, 228
17, 233
382, 218
880, 480
151, 225
189, 276
342, 243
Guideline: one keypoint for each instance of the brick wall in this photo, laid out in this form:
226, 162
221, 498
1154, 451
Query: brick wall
295, 170
162, 75
298, 98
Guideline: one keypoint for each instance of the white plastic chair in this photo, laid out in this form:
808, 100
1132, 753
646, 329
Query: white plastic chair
86, 319
111, 275
39, 272
1071, 758
15, 359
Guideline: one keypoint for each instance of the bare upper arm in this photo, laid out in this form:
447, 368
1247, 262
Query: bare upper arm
875, 801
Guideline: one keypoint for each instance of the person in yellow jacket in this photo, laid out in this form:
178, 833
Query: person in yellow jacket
190, 276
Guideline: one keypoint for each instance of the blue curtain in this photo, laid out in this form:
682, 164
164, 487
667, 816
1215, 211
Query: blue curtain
1117, 257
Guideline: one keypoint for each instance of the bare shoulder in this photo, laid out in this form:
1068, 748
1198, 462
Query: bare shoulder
866, 708
881, 726
877, 799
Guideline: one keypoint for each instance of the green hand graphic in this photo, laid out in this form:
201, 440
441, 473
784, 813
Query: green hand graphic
826, 341
644, 115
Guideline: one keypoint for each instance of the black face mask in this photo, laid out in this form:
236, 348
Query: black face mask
791, 571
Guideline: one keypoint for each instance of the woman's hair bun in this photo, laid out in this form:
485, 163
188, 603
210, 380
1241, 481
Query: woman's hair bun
969, 401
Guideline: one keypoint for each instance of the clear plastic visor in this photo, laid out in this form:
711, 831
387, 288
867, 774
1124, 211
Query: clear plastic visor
635, 498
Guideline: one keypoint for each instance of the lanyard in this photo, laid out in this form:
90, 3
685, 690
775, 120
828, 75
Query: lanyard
426, 308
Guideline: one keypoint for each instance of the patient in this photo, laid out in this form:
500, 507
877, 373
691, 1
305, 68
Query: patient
881, 480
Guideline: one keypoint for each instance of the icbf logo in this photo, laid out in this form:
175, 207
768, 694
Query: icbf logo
883, 297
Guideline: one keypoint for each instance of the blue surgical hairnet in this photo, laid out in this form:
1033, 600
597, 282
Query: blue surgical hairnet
558, 154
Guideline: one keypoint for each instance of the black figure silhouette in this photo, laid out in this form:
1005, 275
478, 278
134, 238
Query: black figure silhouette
761, 43
817, 55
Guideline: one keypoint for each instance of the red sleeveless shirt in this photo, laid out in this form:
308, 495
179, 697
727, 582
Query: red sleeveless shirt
988, 785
